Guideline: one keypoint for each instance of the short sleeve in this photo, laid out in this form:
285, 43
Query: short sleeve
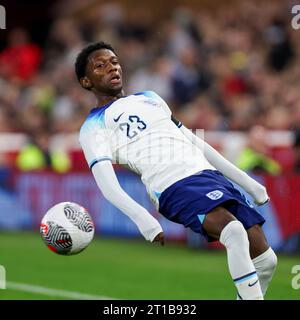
94, 141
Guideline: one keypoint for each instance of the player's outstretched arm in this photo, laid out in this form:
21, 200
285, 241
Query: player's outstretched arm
255, 189
108, 183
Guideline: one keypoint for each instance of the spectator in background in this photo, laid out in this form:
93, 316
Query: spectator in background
38, 155
188, 80
240, 59
280, 48
297, 150
255, 156
64, 42
156, 77
21, 58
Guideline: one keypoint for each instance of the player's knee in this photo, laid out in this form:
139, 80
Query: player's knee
234, 234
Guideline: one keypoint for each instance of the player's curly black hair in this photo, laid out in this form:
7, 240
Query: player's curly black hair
82, 58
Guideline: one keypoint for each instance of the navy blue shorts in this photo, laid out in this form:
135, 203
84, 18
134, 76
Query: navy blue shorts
187, 201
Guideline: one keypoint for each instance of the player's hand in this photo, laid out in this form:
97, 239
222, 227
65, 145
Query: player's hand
260, 196
262, 203
160, 238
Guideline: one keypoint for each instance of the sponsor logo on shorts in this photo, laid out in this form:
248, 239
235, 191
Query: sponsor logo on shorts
215, 195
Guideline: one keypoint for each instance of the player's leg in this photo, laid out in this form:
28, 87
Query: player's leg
221, 224
263, 257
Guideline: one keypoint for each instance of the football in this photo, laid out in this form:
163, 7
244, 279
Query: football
67, 228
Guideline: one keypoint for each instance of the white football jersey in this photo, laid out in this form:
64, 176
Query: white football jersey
137, 131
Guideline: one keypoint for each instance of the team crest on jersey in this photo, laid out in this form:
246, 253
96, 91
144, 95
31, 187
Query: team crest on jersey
215, 195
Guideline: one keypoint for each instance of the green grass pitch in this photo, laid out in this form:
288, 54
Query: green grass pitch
128, 269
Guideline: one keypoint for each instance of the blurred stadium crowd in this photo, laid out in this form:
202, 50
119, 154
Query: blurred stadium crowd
226, 69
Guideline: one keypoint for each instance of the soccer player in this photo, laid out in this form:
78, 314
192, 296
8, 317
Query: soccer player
184, 176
